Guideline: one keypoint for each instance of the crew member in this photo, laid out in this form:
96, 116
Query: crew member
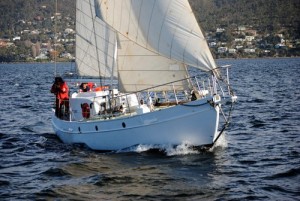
84, 87
61, 91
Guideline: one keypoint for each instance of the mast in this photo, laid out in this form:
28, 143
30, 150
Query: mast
114, 64
55, 30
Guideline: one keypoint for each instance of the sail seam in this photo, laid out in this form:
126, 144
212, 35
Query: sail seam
150, 24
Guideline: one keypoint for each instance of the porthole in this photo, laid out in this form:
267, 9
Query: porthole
96, 127
124, 125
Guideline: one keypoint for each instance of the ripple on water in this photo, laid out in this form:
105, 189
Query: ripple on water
56, 172
258, 158
294, 172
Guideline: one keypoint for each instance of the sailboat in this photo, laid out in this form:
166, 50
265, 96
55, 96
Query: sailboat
141, 52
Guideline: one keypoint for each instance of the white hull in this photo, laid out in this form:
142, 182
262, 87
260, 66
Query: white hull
195, 123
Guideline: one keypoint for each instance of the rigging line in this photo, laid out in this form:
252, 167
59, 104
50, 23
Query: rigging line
223, 80
146, 70
150, 21
108, 43
161, 28
86, 40
91, 56
144, 47
55, 30
78, 35
226, 123
93, 19
76, 65
224, 116
159, 85
139, 18
156, 53
90, 43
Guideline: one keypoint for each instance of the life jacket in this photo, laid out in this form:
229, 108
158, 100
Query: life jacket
85, 110
101, 88
91, 85
62, 93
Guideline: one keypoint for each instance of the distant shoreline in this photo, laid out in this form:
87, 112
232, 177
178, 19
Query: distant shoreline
258, 58
30, 62
244, 58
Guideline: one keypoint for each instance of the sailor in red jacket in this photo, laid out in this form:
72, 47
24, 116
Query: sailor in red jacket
61, 91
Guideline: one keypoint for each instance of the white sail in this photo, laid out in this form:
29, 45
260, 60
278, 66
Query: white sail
139, 68
95, 42
165, 27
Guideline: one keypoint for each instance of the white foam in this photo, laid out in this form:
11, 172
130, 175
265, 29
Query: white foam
185, 148
182, 149
221, 143
170, 150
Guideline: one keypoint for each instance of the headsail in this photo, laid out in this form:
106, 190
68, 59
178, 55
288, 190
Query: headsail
165, 27
95, 42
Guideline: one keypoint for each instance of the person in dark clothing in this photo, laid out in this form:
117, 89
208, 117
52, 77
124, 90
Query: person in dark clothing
61, 91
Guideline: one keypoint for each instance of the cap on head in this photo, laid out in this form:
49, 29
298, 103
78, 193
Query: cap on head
59, 79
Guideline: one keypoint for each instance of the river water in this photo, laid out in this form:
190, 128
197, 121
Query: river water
258, 158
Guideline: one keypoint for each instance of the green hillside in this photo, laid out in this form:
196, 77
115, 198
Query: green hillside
234, 28
13, 14
263, 15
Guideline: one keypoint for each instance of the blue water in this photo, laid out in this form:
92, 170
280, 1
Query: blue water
258, 158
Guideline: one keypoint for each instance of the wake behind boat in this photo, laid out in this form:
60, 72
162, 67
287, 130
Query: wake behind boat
147, 46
